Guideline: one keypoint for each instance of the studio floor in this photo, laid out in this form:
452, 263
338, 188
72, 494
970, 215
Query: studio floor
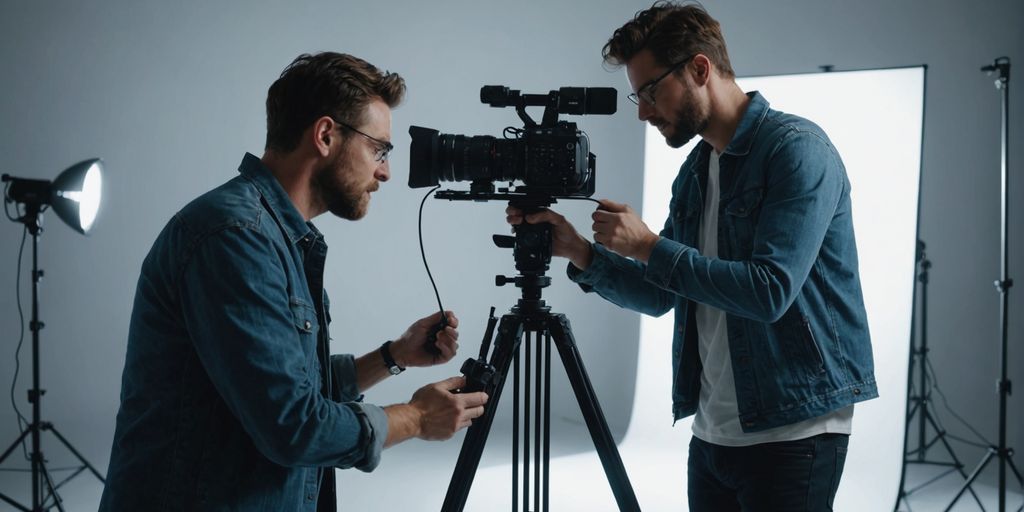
423, 486
938, 495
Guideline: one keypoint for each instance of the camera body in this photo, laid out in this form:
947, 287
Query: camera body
551, 158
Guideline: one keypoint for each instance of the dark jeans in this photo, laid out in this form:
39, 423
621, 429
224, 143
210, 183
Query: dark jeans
790, 476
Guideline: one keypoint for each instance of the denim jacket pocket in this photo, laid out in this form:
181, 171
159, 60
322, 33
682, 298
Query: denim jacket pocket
304, 318
796, 336
741, 213
685, 218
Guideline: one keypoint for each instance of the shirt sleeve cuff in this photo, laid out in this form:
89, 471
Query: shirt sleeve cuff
663, 260
596, 271
374, 424
343, 368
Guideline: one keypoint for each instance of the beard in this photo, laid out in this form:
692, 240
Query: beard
339, 193
690, 121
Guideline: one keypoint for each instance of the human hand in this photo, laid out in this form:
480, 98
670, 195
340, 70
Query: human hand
565, 240
409, 349
619, 228
442, 413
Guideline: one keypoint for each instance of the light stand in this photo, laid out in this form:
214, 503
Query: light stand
921, 402
75, 197
1001, 68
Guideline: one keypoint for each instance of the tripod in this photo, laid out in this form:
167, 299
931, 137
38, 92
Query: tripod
921, 403
43, 487
1001, 67
531, 318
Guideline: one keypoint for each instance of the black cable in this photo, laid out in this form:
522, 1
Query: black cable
935, 385
6, 210
21, 339
582, 199
424, 254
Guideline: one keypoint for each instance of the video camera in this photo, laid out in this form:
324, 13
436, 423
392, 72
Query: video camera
552, 159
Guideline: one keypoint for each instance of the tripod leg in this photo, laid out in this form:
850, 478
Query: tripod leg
527, 358
547, 420
537, 422
50, 427
515, 432
558, 326
510, 332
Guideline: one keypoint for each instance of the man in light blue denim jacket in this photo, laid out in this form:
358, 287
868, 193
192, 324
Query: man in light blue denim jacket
231, 398
757, 260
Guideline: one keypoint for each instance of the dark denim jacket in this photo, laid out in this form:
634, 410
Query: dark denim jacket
786, 274
225, 404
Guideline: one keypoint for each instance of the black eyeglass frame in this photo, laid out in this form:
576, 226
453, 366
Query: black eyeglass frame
646, 91
384, 147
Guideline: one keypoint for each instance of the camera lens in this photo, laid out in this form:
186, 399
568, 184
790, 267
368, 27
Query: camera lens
437, 157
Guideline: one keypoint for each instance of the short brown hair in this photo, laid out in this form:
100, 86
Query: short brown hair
672, 32
324, 84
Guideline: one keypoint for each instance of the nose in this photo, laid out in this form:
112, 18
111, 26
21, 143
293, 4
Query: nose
383, 172
644, 110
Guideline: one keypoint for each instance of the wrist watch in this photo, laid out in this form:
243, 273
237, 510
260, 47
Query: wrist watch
389, 361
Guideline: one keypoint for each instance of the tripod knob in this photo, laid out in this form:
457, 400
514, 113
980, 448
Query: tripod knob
503, 280
504, 241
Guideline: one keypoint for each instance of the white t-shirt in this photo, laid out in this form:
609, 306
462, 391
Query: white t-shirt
717, 420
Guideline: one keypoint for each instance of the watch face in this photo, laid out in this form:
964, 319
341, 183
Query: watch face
395, 370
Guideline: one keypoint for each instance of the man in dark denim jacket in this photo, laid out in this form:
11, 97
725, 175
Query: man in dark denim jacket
759, 263
231, 399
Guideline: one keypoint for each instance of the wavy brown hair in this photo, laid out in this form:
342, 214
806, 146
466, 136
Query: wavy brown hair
672, 32
325, 84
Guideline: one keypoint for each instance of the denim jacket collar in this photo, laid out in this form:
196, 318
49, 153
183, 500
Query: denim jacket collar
280, 205
746, 131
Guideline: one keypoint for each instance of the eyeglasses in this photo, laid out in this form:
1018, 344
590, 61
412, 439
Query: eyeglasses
646, 92
383, 148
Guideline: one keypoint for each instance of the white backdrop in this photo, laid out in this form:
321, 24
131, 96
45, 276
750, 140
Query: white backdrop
874, 118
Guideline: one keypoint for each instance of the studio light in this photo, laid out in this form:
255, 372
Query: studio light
75, 197
75, 194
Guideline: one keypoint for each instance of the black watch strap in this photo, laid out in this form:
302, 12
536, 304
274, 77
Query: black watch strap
389, 361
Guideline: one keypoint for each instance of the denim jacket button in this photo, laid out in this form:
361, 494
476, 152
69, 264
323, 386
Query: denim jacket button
308, 325
856, 391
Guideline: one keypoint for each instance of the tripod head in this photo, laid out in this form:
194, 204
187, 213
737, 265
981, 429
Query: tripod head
531, 248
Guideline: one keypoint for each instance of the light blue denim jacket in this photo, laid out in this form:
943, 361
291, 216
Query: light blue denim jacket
786, 274
225, 401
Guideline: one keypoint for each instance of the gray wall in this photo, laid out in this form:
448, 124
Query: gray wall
171, 94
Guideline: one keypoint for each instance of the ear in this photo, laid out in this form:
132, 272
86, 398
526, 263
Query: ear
702, 68
323, 135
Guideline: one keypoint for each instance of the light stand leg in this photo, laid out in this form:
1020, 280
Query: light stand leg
51, 428
922, 400
57, 501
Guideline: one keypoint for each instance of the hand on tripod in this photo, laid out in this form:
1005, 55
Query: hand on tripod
565, 240
411, 348
442, 412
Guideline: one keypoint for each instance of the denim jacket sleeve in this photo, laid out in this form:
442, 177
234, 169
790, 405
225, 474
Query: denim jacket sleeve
237, 309
621, 281
804, 182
